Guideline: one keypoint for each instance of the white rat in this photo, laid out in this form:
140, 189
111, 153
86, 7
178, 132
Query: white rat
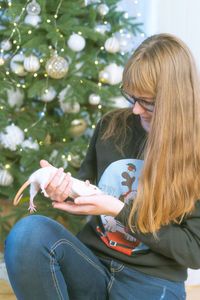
41, 178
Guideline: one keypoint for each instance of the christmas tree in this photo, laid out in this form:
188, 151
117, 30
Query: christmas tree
61, 66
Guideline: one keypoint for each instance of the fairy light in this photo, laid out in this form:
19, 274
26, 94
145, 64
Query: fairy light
23, 86
99, 84
14, 42
7, 73
62, 50
126, 15
30, 31
41, 143
10, 4
35, 75
7, 166
102, 48
81, 81
80, 33
48, 21
1, 107
41, 60
64, 140
93, 126
63, 156
55, 16
69, 158
18, 85
96, 62
26, 130
45, 75
99, 106
61, 36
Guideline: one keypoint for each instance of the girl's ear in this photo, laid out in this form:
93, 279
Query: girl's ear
44, 163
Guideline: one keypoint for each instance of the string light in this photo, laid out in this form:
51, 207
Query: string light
69, 158
64, 140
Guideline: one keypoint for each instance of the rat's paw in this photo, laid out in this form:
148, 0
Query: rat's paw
32, 208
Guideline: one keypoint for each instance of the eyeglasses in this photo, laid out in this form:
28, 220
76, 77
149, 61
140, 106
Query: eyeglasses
149, 106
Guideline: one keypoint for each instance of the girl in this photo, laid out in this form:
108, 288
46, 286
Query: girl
145, 228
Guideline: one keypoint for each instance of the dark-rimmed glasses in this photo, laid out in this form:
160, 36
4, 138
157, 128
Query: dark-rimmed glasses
149, 106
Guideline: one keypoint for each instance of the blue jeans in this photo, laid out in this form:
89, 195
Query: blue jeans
46, 262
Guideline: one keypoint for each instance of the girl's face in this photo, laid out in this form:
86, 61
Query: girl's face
145, 116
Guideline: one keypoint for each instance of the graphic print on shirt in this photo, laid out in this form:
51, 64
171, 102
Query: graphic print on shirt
123, 187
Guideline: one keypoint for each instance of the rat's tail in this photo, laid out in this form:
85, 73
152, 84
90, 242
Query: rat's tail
19, 193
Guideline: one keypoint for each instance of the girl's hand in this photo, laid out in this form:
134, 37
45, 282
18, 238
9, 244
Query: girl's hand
59, 187
92, 205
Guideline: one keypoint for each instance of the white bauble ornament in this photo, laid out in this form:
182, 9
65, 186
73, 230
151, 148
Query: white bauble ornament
76, 42
17, 64
66, 106
6, 45
48, 94
112, 45
12, 137
57, 67
31, 63
33, 8
94, 99
104, 76
119, 102
2, 61
32, 20
103, 9
78, 127
5, 178
69, 107
15, 97
115, 73
30, 145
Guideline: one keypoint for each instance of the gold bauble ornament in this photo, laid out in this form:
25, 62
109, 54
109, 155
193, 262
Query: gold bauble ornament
75, 160
57, 67
78, 127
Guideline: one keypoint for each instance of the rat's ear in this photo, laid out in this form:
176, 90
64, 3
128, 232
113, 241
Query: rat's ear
44, 163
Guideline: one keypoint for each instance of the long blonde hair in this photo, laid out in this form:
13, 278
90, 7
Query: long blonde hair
169, 184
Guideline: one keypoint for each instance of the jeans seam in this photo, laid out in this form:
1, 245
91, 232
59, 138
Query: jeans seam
110, 284
64, 241
54, 275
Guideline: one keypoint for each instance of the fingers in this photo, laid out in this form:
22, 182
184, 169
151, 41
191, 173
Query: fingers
45, 163
59, 187
72, 207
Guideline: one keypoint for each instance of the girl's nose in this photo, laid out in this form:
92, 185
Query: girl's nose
137, 109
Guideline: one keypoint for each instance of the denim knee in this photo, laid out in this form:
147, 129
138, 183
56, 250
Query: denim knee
26, 236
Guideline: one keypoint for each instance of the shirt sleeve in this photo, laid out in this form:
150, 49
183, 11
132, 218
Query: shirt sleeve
88, 169
180, 242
